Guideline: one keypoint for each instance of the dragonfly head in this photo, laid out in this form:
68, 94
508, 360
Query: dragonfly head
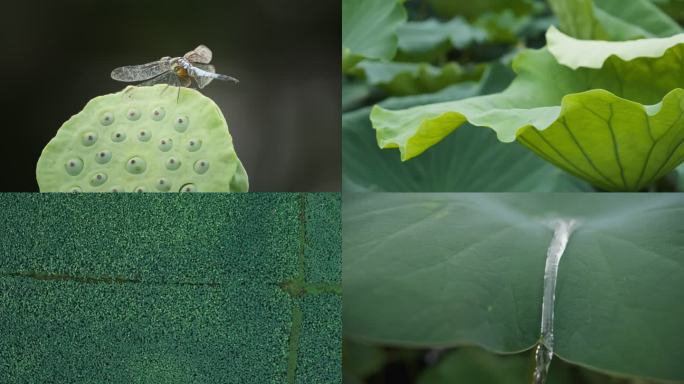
179, 69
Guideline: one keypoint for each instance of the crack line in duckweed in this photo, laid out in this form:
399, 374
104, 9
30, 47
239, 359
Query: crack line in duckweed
562, 229
44, 276
297, 315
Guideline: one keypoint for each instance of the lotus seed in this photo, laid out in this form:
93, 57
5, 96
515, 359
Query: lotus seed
103, 157
118, 137
107, 118
98, 179
116, 188
133, 114
158, 113
144, 135
139, 189
89, 138
172, 163
74, 166
194, 144
181, 123
188, 188
201, 166
165, 144
136, 165
75, 189
163, 185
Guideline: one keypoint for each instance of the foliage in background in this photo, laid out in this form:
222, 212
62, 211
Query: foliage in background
444, 43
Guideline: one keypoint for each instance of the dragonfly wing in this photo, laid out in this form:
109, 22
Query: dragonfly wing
201, 55
141, 72
164, 78
202, 81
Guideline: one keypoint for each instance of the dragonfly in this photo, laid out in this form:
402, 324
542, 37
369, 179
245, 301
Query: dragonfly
176, 71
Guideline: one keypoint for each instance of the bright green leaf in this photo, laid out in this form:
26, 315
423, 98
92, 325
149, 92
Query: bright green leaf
597, 124
470, 160
437, 270
369, 30
612, 19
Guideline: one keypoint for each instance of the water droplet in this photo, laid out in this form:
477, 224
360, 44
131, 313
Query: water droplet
136, 165
89, 138
74, 166
103, 157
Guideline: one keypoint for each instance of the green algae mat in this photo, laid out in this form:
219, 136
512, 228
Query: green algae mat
189, 288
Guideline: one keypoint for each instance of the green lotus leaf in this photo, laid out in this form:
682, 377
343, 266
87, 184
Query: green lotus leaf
431, 39
504, 26
595, 53
441, 270
612, 19
471, 159
411, 78
473, 9
619, 126
369, 30
673, 8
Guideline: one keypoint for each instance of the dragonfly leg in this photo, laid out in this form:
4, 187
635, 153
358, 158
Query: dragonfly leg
178, 96
127, 91
164, 90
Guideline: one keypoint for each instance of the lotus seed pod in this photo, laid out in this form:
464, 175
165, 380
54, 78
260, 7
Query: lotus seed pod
143, 140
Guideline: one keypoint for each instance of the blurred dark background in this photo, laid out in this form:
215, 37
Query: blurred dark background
284, 115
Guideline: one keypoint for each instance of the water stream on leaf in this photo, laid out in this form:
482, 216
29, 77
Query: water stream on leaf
562, 229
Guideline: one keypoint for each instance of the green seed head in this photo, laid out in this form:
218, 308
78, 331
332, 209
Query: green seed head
143, 140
